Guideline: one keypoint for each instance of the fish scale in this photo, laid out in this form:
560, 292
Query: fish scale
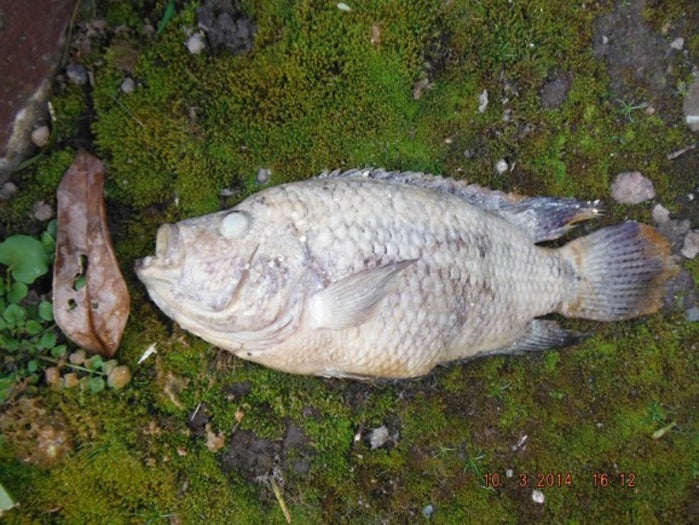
372, 274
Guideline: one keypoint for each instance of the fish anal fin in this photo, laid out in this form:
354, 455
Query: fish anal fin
350, 301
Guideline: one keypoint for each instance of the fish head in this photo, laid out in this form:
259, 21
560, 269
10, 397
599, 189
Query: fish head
229, 277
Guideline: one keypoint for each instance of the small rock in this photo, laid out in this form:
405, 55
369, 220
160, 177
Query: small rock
632, 188
42, 211
692, 314
128, 85
677, 43
428, 511
690, 107
8, 190
40, 136
70, 380
263, 175
77, 357
691, 244
196, 43
660, 214
483, 101
537, 496
501, 166
119, 376
378, 437
77, 74
53, 376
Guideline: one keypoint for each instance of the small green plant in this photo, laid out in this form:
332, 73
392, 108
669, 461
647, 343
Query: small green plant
31, 345
627, 108
472, 462
27, 328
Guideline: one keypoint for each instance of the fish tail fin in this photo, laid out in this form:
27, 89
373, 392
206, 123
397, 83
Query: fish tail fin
620, 272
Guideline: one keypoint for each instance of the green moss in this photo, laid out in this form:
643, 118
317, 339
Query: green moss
385, 85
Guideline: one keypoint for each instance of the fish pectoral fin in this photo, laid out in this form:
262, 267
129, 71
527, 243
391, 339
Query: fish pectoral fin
351, 300
541, 334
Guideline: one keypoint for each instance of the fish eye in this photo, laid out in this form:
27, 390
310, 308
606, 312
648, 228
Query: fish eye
234, 224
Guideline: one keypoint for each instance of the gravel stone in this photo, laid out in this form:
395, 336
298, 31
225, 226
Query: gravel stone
77, 74
691, 244
40, 136
632, 188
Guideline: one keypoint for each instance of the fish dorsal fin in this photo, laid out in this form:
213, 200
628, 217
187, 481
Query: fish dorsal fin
540, 218
351, 300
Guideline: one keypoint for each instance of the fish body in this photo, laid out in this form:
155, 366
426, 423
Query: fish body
370, 273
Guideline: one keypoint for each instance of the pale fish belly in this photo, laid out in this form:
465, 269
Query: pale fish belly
472, 281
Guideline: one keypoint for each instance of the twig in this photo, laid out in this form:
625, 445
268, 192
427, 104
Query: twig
679, 152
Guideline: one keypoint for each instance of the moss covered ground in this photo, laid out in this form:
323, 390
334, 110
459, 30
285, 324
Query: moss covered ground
394, 85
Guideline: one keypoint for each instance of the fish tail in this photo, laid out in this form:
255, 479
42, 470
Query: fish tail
619, 272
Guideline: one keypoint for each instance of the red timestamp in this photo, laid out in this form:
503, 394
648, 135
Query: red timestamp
622, 479
539, 480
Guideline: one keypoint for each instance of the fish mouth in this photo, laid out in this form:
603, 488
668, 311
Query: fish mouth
169, 252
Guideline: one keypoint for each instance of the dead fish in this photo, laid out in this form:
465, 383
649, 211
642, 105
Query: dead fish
377, 274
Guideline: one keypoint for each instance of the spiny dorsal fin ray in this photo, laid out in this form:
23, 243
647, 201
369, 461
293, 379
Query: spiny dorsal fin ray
540, 218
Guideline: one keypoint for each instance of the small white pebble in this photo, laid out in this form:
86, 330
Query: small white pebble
40, 136
344, 7
692, 314
378, 437
677, 43
8, 190
42, 211
263, 175
483, 101
77, 74
691, 244
537, 496
128, 85
632, 188
693, 122
196, 44
660, 214
501, 166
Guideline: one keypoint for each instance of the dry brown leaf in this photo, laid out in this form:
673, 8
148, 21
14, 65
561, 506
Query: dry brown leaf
90, 298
